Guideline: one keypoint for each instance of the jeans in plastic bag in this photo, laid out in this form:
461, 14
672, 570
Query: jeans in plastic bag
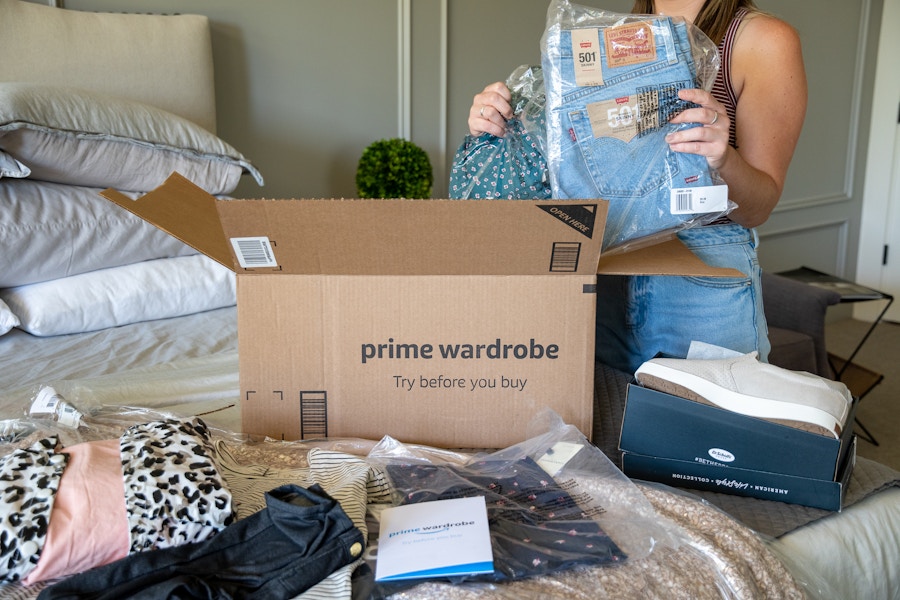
606, 140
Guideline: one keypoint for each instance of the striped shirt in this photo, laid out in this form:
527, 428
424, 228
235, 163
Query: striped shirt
723, 88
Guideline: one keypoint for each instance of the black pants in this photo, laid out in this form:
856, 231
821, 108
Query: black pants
301, 537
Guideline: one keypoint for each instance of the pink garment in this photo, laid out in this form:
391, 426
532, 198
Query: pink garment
88, 524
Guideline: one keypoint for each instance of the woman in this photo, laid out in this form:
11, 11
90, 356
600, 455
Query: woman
752, 120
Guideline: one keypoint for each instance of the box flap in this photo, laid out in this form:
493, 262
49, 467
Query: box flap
383, 237
184, 211
666, 258
420, 237
407, 237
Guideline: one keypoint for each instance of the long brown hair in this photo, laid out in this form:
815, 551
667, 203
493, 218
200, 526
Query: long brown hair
713, 19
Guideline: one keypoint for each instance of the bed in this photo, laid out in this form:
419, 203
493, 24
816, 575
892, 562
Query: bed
129, 325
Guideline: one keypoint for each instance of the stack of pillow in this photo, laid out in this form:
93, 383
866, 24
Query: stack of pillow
70, 260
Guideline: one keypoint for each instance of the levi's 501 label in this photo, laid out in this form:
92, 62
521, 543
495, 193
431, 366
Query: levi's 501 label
638, 114
629, 44
617, 118
586, 54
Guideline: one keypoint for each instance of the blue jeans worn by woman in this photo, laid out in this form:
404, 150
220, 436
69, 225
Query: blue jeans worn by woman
639, 317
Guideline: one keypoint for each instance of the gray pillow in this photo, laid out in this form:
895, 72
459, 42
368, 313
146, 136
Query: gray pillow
50, 230
72, 136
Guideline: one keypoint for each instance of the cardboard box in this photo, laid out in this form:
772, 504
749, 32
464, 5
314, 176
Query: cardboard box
715, 477
666, 426
442, 322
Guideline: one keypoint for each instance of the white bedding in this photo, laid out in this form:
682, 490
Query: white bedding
185, 365
854, 554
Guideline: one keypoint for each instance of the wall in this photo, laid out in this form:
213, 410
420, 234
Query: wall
817, 220
305, 85
878, 262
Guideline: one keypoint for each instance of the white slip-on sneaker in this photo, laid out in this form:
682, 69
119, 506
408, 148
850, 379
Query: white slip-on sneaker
744, 385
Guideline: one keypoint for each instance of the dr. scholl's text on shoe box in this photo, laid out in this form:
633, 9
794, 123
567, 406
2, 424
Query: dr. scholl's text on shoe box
709, 441
816, 493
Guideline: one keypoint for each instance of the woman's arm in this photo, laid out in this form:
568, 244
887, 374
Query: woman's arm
770, 84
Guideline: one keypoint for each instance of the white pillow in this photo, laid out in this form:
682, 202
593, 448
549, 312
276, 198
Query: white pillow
7, 319
73, 136
10, 167
50, 230
154, 289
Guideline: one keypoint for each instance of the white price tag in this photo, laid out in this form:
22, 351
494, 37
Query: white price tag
45, 402
702, 199
69, 416
556, 457
586, 57
48, 404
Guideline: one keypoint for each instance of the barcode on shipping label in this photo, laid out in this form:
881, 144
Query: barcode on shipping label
702, 199
254, 252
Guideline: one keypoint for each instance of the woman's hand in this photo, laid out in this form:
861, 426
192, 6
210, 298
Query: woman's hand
490, 110
710, 140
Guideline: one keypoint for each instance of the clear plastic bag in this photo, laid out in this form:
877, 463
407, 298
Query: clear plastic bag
511, 167
555, 502
612, 83
677, 545
72, 414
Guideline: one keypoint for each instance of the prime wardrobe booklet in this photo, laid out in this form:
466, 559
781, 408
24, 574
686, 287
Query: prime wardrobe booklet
443, 538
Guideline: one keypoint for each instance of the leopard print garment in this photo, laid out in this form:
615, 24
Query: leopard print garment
29, 479
174, 493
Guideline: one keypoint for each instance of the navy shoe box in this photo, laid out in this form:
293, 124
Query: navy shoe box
689, 444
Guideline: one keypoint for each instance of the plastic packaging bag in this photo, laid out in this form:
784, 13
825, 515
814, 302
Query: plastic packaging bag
612, 83
49, 404
511, 167
555, 502
72, 415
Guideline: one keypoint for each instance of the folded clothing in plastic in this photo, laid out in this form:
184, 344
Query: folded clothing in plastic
612, 84
157, 486
536, 527
511, 167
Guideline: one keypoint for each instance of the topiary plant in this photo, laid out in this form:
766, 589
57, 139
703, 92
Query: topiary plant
394, 168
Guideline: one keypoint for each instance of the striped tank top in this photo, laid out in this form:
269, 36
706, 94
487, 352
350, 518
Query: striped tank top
722, 89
